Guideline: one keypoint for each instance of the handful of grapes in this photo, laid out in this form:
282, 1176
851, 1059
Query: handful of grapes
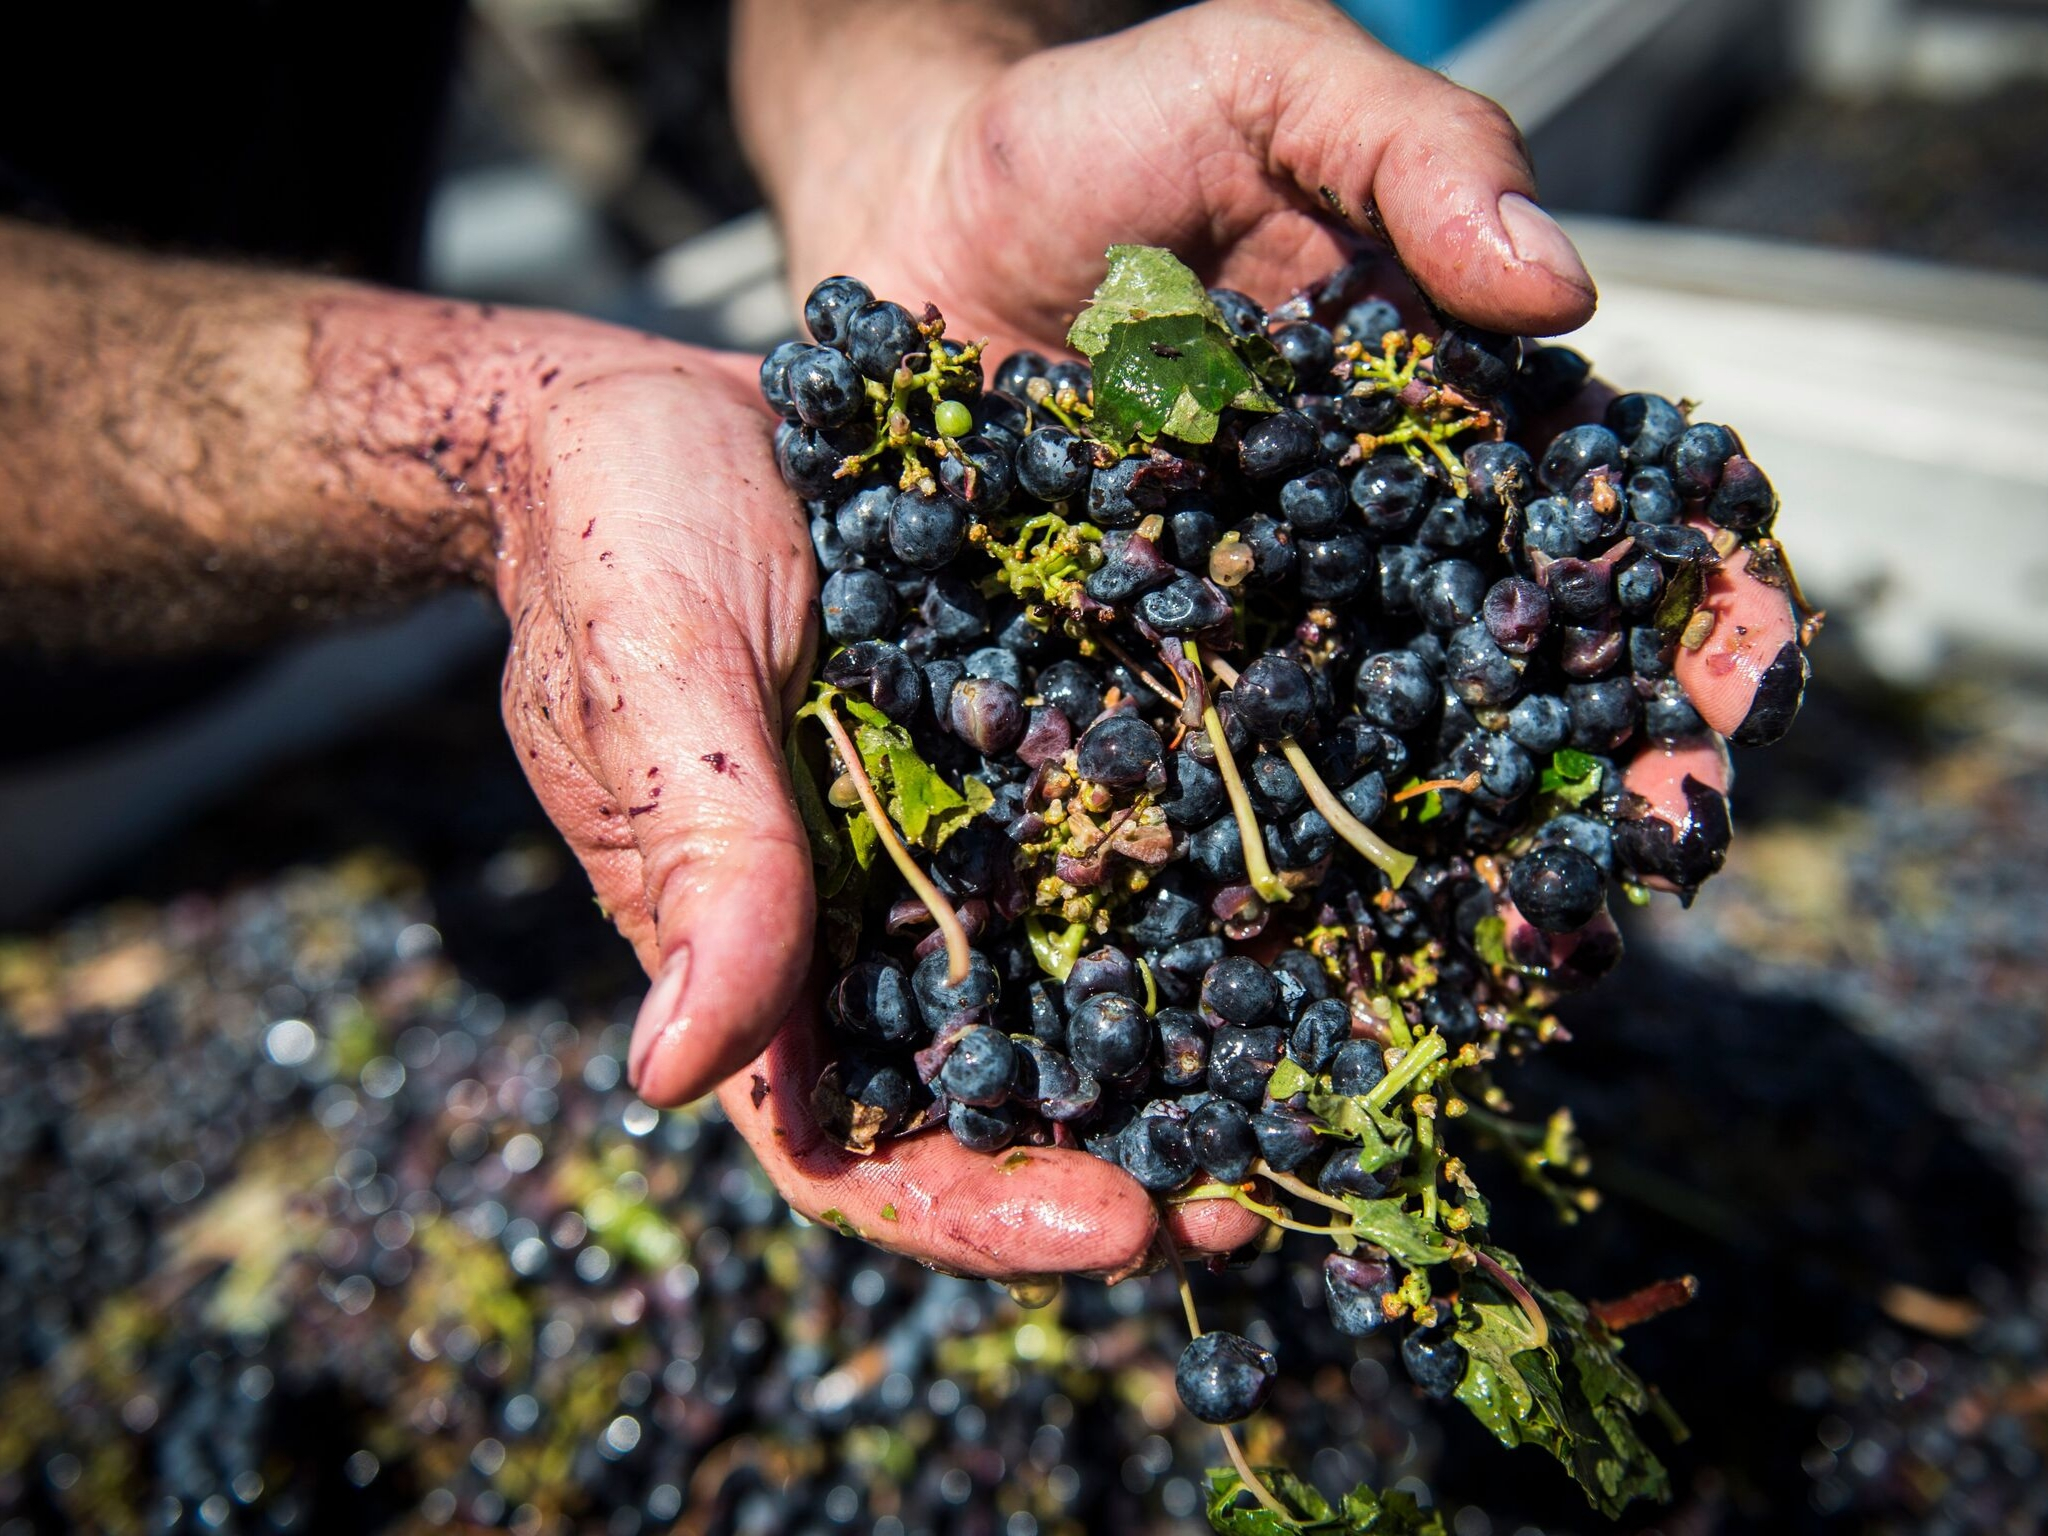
1224, 754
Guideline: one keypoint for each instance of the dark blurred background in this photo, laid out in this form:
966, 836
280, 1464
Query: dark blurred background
323, 1204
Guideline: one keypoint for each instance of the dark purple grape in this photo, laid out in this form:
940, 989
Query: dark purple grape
1477, 670
1397, 690
1278, 445
1242, 315
1183, 1048
942, 1003
1242, 1060
1321, 1029
979, 1068
1287, 1138
1390, 491
879, 335
1187, 606
1478, 363
1271, 543
1122, 750
830, 308
1313, 503
1652, 498
1557, 888
1334, 569
1018, 370
1369, 321
1435, 1361
1499, 478
858, 605
1550, 378
1223, 1377
986, 714
926, 530
1239, 990
882, 674
1107, 969
977, 474
1053, 465
1154, 1150
1516, 612
1579, 589
1647, 426
1744, 499
824, 387
1603, 714
983, 1130
1310, 351
1358, 1067
1109, 1036
775, 378
1273, 698
1576, 452
1221, 1137
1356, 1290
1450, 594
873, 998
1697, 457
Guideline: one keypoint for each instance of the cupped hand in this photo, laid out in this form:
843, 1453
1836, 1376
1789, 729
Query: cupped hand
661, 587
1253, 137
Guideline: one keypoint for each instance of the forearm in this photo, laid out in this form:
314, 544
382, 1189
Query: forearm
831, 94
193, 452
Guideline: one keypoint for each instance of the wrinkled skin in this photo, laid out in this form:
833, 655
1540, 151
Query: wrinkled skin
1250, 136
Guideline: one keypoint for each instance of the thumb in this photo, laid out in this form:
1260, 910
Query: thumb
1360, 129
683, 582
728, 874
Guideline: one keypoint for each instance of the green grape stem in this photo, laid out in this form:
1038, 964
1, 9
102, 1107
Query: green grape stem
1413, 1063
1396, 864
958, 954
1252, 1480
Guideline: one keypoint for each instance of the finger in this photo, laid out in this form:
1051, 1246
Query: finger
685, 586
1358, 128
1745, 673
1022, 1211
1573, 959
1674, 830
1213, 1226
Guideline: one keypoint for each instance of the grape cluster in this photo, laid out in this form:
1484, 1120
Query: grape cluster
1226, 783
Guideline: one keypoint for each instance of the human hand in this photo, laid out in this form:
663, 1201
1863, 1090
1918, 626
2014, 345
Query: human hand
661, 588
1250, 136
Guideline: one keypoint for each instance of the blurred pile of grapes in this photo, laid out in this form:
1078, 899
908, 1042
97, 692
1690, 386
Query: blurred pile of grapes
324, 1205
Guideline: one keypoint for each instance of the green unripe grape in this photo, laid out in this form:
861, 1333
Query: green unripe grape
952, 419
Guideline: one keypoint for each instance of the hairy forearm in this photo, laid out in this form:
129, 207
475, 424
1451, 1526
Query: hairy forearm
193, 452
831, 94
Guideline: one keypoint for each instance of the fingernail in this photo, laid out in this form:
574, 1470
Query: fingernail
657, 1012
1540, 240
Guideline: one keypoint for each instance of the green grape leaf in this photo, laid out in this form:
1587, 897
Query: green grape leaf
1164, 362
926, 809
1490, 941
866, 841
1573, 777
1055, 952
1406, 1237
841, 860
1569, 1395
1232, 1510
1381, 1137
1142, 281
1288, 1079
829, 850
1683, 590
